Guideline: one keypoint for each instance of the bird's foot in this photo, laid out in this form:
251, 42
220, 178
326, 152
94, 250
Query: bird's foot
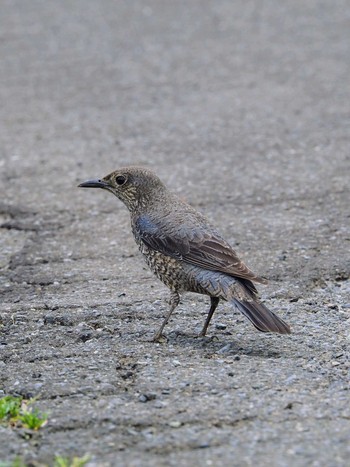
159, 338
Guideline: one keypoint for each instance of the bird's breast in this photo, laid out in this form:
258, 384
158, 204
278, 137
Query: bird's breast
169, 270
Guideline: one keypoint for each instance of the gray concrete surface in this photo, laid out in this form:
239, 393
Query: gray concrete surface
243, 108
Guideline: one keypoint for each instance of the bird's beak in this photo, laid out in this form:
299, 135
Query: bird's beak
95, 183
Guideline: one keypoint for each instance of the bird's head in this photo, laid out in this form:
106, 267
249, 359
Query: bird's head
135, 186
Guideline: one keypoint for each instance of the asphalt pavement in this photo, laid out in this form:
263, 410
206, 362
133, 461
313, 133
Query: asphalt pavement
243, 109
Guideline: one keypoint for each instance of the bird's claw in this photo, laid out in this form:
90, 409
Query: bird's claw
159, 338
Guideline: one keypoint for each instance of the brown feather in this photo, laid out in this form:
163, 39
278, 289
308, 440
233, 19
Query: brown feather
217, 255
262, 318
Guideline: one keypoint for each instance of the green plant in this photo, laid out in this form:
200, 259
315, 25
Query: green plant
66, 462
33, 419
15, 463
15, 411
58, 461
10, 407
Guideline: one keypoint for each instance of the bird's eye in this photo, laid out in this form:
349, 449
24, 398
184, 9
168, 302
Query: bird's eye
120, 180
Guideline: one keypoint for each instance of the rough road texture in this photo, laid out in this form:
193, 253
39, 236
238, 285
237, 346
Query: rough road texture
243, 109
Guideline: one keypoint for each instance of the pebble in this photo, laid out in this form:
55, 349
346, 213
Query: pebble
147, 397
226, 348
174, 423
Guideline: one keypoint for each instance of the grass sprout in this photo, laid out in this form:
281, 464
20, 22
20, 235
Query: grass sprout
66, 462
10, 407
15, 411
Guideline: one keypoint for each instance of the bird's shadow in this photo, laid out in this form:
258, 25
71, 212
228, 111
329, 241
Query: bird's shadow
229, 346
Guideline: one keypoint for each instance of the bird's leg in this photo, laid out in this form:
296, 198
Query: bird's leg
214, 301
174, 301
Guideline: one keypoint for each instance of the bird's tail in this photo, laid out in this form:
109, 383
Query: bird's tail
261, 317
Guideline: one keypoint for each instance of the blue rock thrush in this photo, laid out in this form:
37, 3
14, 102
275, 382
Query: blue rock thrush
184, 250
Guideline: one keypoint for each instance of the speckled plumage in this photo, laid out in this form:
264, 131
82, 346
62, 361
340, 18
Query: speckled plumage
184, 250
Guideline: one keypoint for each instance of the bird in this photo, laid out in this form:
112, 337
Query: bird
185, 250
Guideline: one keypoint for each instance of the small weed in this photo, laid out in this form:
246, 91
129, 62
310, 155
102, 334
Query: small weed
33, 419
75, 462
59, 461
16, 412
10, 407
15, 463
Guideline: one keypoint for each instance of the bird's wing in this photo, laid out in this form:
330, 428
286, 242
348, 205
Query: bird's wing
215, 254
156, 238
206, 250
